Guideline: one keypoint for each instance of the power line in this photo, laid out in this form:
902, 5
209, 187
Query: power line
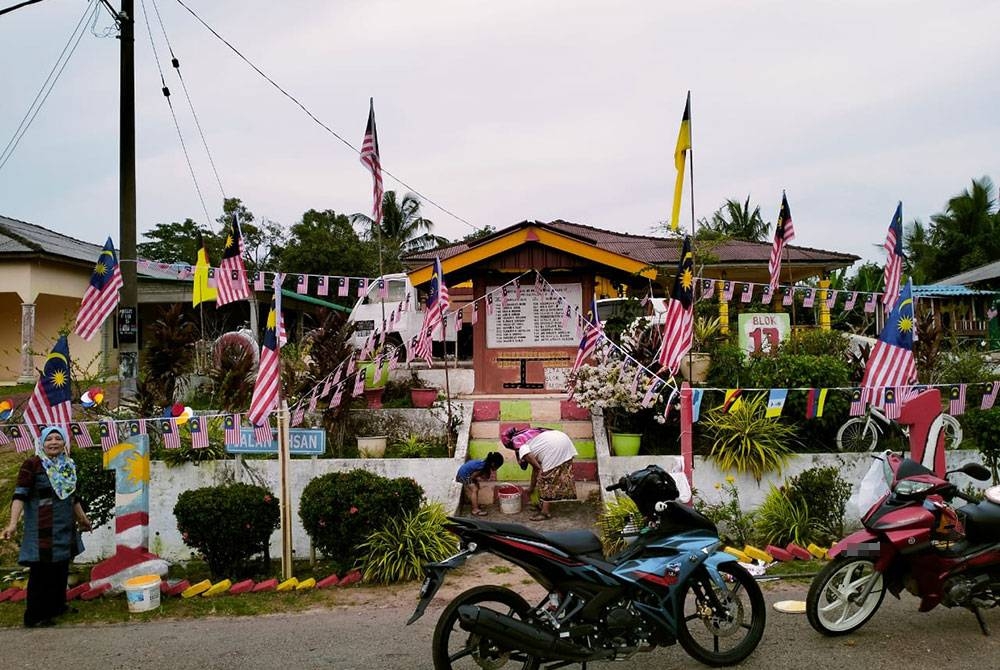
312, 116
173, 115
17, 6
47, 86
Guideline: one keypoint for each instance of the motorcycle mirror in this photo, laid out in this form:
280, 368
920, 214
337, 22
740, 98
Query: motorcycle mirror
975, 470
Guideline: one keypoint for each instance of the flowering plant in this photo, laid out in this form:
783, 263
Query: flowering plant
607, 386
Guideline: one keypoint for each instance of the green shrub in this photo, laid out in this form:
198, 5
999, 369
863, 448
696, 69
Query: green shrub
415, 446
817, 343
735, 526
397, 551
726, 369
216, 448
983, 428
340, 509
824, 493
228, 524
780, 519
617, 513
94, 485
744, 440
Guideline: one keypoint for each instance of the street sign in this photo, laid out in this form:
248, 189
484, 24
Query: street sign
302, 442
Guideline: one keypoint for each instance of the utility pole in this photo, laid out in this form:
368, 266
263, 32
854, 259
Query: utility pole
128, 308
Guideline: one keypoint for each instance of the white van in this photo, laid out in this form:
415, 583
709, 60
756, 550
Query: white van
371, 308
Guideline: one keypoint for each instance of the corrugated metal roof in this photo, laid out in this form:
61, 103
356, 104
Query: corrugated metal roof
982, 273
947, 291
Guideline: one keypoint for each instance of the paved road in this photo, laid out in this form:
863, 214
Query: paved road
366, 638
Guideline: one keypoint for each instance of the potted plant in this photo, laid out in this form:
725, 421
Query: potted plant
420, 394
608, 387
376, 372
695, 364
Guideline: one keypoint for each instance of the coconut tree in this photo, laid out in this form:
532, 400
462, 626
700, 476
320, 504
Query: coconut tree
403, 230
965, 234
735, 220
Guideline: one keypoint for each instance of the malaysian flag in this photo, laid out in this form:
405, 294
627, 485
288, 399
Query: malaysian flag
259, 281
592, 333
809, 298
171, 436
321, 285
362, 287
302, 284
747, 295
51, 402
831, 299
22, 438
343, 287
3, 437
199, 432
990, 396
81, 435
894, 258
892, 408
857, 402
677, 325
370, 159
268, 385
232, 429
891, 361
783, 234
101, 296
109, 434
956, 399
231, 281
437, 302
852, 298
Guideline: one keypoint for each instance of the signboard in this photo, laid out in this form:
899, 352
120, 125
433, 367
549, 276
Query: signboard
532, 319
762, 331
302, 442
127, 325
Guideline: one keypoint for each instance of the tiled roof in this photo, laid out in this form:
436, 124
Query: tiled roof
656, 250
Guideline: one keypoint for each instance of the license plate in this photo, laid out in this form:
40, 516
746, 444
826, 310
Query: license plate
365, 326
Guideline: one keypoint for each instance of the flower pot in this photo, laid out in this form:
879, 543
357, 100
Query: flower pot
374, 397
423, 397
371, 447
625, 444
369, 368
695, 366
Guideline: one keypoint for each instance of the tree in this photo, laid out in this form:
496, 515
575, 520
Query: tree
736, 221
479, 234
261, 243
177, 243
324, 243
403, 229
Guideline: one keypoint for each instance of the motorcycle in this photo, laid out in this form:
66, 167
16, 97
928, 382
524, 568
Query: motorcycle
913, 539
671, 584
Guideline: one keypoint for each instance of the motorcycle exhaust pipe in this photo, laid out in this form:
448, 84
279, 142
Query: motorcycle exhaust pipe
520, 635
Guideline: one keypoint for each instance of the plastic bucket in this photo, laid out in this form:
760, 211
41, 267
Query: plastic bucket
142, 593
510, 498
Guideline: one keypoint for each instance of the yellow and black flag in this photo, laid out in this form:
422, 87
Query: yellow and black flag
680, 151
202, 291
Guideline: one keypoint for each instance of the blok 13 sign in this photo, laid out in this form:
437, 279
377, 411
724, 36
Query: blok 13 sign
763, 331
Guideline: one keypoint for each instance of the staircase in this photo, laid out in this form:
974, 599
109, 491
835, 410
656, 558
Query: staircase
493, 415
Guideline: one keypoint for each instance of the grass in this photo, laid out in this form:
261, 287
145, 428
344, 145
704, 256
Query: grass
10, 463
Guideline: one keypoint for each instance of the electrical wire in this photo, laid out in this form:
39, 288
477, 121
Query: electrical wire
173, 115
322, 125
50, 81
197, 122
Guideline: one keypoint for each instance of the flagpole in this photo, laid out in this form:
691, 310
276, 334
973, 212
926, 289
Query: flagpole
691, 158
788, 266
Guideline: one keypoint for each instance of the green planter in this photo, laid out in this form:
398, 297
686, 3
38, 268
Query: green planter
368, 368
625, 444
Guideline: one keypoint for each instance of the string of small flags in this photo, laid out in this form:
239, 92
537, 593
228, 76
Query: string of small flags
749, 290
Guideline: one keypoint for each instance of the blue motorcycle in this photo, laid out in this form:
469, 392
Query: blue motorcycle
672, 584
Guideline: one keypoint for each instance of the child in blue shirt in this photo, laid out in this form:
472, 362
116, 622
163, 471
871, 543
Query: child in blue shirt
470, 474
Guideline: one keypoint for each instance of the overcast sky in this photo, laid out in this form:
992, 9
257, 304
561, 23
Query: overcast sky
514, 110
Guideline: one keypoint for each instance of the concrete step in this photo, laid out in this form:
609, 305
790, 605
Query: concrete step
488, 491
490, 430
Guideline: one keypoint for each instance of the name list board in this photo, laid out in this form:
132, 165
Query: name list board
533, 319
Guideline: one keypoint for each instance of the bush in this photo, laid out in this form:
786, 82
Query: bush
340, 509
983, 428
228, 524
398, 551
745, 440
618, 512
735, 525
824, 493
781, 519
94, 485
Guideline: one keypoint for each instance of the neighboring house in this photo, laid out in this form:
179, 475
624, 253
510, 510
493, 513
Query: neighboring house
965, 304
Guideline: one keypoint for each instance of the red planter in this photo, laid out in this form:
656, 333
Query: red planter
374, 398
423, 397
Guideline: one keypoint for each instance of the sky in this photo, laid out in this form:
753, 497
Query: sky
518, 110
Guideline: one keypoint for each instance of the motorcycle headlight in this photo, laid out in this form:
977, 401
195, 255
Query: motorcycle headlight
910, 488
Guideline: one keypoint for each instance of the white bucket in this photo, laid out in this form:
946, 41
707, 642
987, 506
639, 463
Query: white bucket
510, 498
142, 593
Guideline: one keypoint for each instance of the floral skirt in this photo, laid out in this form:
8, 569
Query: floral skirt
557, 483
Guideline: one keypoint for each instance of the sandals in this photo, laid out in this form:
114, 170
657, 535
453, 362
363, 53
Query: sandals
540, 516
480, 512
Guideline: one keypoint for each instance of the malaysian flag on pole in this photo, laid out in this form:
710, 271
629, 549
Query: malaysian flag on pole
267, 388
894, 258
101, 296
783, 234
51, 403
592, 333
231, 280
891, 361
678, 321
437, 302
370, 159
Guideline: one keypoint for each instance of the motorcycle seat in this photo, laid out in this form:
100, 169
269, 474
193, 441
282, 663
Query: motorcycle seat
574, 542
982, 522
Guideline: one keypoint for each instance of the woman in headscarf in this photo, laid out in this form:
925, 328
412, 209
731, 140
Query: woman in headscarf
550, 454
45, 494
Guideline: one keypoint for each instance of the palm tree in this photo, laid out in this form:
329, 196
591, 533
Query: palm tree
735, 220
965, 234
403, 229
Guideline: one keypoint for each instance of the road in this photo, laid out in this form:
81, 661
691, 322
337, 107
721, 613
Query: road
374, 638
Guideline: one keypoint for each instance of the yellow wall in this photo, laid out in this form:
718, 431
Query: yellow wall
10, 341
29, 279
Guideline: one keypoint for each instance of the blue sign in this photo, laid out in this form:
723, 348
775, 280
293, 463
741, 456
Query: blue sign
301, 441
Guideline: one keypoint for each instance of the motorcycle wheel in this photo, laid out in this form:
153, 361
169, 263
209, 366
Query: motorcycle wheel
455, 648
702, 631
830, 607
952, 431
853, 436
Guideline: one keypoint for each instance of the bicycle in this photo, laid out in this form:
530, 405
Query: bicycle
861, 433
